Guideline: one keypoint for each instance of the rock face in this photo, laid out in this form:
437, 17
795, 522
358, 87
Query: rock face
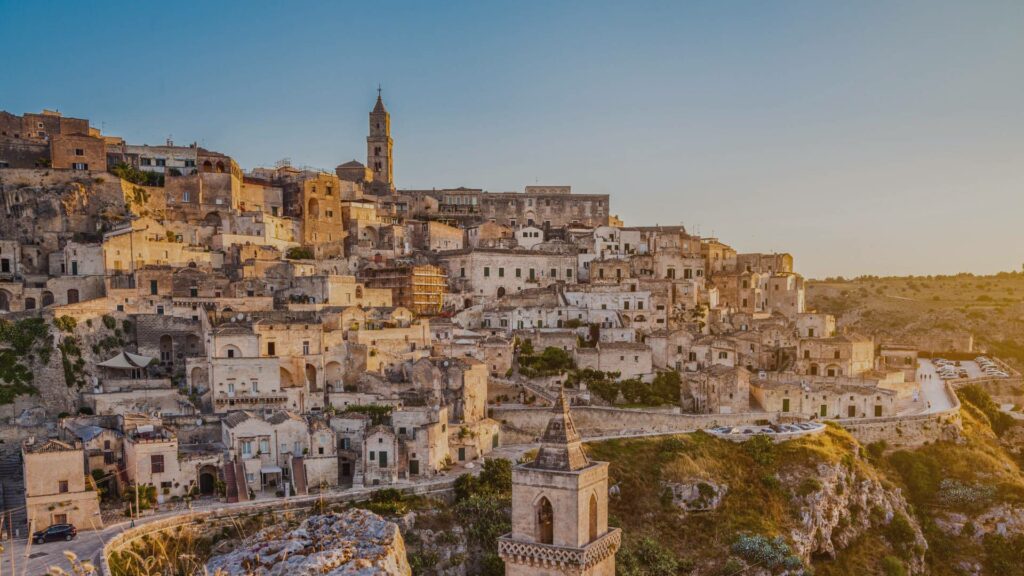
840, 505
356, 542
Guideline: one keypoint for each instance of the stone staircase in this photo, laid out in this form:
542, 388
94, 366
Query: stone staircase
234, 481
12, 492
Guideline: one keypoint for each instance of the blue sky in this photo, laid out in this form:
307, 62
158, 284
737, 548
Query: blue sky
863, 137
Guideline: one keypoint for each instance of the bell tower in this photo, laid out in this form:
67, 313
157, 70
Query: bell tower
560, 509
379, 148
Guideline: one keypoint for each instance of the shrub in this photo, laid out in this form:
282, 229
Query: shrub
771, 554
109, 322
893, 566
65, 323
977, 396
761, 449
299, 253
808, 486
646, 557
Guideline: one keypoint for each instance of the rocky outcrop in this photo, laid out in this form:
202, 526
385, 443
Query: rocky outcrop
356, 542
838, 504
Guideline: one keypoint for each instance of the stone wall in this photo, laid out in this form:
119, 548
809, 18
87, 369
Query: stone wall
596, 421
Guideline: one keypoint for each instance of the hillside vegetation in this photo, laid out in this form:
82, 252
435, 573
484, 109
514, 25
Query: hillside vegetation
921, 309
824, 505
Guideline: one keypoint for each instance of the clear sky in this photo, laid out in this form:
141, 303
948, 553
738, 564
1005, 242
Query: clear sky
863, 137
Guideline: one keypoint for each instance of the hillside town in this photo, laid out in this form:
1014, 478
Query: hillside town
178, 329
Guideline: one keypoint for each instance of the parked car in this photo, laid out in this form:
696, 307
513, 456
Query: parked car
65, 532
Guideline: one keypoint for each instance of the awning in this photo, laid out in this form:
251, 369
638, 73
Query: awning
126, 361
270, 470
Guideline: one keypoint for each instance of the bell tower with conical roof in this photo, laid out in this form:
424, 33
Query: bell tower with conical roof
560, 509
379, 148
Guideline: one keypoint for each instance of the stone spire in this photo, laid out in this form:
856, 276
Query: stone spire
379, 107
560, 448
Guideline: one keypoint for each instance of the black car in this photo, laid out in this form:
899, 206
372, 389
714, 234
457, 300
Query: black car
55, 532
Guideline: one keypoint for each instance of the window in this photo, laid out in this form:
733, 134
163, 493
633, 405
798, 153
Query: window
153, 287
554, 273
568, 272
264, 446
305, 348
161, 162
79, 166
145, 161
271, 348
836, 354
79, 152
247, 448
160, 310
501, 272
373, 455
231, 352
156, 463
62, 486
519, 272
487, 271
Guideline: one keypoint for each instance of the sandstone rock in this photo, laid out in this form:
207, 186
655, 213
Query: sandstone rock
356, 542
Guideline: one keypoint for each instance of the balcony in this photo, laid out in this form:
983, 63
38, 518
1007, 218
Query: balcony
559, 557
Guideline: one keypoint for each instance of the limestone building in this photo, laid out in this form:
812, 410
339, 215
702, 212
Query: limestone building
560, 509
56, 491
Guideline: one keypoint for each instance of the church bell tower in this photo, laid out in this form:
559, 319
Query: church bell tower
379, 148
560, 509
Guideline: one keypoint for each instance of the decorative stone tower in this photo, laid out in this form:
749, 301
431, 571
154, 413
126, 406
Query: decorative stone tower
560, 509
379, 151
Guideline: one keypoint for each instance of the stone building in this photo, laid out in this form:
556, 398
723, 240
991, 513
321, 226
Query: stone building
628, 359
717, 390
898, 357
56, 489
843, 355
151, 458
560, 509
839, 397
544, 207
488, 273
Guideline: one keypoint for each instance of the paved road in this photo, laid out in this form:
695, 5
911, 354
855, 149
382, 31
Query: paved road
36, 559
933, 388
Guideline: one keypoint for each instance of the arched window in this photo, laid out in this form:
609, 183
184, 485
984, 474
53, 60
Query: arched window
593, 517
73, 296
545, 522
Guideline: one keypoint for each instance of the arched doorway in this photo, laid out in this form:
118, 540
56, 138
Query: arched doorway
814, 369
207, 480
47, 298
313, 210
334, 375
311, 377
73, 296
166, 349
30, 303
545, 522
501, 291
5, 300
192, 345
